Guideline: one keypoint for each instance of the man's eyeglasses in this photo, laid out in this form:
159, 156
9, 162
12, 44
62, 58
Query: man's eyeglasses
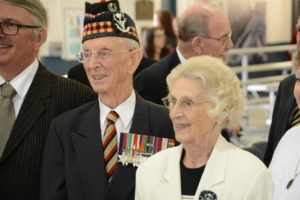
222, 39
9, 28
183, 104
103, 55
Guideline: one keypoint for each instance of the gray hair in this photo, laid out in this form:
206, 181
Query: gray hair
220, 83
131, 44
37, 11
192, 25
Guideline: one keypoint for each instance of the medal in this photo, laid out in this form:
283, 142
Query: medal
135, 148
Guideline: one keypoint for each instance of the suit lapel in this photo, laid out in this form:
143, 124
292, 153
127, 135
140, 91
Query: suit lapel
290, 103
31, 109
171, 182
174, 60
214, 173
88, 147
140, 116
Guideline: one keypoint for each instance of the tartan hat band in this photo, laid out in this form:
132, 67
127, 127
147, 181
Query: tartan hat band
116, 24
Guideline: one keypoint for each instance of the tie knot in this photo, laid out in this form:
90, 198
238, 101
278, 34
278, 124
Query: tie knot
112, 116
7, 91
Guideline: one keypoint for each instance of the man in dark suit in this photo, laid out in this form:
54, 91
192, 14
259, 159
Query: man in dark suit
203, 30
78, 164
285, 110
39, 97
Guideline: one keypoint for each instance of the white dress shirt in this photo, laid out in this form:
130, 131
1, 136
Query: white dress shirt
21, 84
125, 111
180, 56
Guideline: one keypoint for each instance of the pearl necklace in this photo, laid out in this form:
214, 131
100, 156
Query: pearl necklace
290, 183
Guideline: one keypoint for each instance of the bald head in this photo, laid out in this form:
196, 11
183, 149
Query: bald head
195, 20
204, 30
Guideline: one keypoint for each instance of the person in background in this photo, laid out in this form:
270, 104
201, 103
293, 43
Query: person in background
30, 97
164, 20
204, 96
92, 152
286, 112
175, 26
285, 164
153, 42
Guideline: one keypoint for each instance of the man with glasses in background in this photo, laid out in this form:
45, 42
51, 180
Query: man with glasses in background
203, 30
84, 145
30, 97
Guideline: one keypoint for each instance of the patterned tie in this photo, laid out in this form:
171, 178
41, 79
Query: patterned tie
296, 117
7, 114
110, 144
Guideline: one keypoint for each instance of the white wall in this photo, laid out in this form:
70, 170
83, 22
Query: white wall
279, 19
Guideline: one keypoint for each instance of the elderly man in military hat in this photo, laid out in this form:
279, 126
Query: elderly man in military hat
92, 151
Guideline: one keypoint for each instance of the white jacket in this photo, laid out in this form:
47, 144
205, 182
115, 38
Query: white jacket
231, 173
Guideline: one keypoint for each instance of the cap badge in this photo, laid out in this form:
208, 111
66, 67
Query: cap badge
120, 22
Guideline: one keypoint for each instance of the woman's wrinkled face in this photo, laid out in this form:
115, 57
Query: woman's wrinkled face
189, 110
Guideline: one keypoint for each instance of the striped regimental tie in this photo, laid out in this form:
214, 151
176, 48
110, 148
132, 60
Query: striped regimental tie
7, 114
296, 117
110, 144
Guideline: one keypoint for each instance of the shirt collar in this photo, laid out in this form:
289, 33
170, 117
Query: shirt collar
125, 110
180, 56
22, 81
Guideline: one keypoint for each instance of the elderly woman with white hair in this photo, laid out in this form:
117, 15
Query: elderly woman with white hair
204, 96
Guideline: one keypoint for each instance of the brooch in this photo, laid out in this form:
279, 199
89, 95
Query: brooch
208, 195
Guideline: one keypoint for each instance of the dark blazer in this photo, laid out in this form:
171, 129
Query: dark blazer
151, 83
78, 73
73, 165
282, 115
48, 96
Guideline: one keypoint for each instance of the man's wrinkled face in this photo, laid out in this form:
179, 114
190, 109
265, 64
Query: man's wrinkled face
218, 40
110, 73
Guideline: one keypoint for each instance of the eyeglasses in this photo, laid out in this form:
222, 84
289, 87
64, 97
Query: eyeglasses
184, 104
222, 39
103, 55
9, 28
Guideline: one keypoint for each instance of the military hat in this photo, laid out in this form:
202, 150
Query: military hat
105, 19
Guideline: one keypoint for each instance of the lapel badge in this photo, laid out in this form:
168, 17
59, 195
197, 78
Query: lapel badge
207, 195
120, 22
